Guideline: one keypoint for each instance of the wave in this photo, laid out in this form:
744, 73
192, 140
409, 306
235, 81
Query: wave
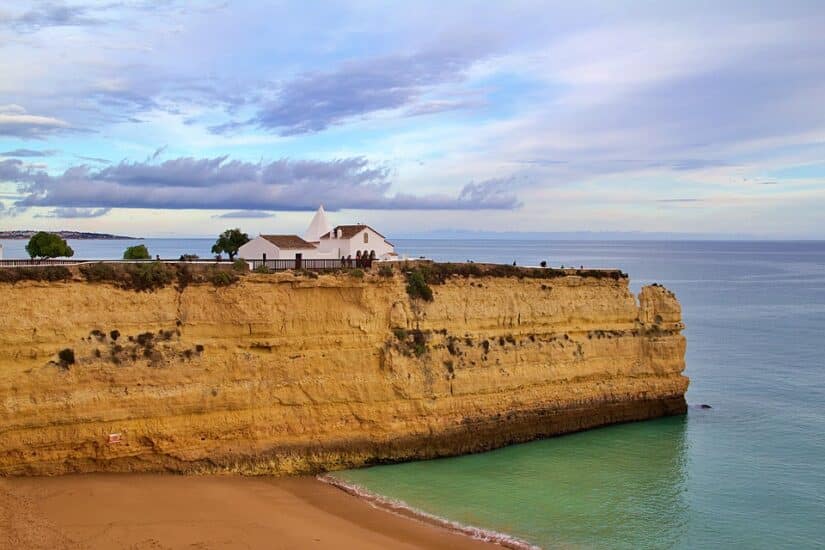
403, 509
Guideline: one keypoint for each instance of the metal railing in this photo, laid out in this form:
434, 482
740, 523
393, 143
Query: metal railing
309, 264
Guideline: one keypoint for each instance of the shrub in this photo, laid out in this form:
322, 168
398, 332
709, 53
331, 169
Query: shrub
137, 252
240, 265
66, 357
98, 272
419, 343
262, 269
417, 286
150, 276
400, 333
385, 271
357, 273
222, 278
50, 273
189, 257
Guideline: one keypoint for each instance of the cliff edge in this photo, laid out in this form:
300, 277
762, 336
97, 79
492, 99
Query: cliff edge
289, 373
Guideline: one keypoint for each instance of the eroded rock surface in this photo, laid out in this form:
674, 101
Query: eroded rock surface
280, 374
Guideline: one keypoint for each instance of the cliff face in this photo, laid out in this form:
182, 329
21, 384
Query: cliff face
283, 374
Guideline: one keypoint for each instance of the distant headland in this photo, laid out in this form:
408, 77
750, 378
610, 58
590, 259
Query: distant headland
79, 235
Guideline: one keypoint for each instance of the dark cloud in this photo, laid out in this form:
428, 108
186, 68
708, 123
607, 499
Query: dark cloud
315, 101
24, 153
51, 14
94, 159
220, 183
241, 214
72, 212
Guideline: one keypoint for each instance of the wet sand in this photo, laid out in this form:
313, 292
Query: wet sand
159, 512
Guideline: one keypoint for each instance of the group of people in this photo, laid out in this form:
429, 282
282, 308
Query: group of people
362, 259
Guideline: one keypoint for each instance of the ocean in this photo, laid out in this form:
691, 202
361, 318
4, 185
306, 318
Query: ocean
747, 473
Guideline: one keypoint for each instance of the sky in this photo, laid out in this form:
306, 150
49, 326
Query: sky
164, 118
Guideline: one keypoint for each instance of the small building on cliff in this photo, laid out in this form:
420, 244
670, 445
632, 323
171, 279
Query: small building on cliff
320, 241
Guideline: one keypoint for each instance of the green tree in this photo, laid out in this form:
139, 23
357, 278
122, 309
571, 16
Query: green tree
229, 242
137, 252
48, 245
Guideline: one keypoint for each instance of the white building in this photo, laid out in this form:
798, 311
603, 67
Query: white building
320, 241
276, 247
351, 241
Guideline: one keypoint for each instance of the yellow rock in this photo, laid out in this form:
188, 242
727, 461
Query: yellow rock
281, 374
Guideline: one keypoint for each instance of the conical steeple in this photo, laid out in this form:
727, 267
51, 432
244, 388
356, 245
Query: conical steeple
318, 226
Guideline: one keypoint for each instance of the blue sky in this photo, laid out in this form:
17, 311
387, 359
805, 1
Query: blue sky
165, 118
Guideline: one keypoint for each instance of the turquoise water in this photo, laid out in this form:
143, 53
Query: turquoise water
748, 473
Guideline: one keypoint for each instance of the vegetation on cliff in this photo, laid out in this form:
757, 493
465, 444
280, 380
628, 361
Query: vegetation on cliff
45, 273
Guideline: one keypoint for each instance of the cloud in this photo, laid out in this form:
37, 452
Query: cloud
219, 183
241, 214
23, 153
315, 101
94, 159
16, 122
50, 14
72, 212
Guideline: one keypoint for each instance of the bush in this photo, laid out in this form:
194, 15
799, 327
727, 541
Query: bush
357, 273
240, 265
262, 269
222, 278
98, 272
137, 252
150, 276
50, 273
417, 286
385, 271
400, 333
66, 357
189, 257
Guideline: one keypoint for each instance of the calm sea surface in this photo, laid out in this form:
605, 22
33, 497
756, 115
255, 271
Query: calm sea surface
748, 473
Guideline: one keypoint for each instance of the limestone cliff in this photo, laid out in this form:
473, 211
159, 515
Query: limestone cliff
290, 374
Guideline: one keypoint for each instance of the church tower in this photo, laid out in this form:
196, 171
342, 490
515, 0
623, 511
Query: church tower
318, 226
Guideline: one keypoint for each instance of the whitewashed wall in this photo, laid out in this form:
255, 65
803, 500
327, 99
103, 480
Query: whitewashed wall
256, 248
350, 247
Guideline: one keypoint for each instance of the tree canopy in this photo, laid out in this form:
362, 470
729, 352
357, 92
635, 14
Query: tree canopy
48, 245
137, 252
229, 242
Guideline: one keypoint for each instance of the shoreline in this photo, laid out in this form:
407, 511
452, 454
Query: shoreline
101, 511
404, 510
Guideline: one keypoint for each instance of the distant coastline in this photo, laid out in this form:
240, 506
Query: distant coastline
77, 235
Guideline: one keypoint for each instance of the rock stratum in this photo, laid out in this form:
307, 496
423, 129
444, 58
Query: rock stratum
286, 374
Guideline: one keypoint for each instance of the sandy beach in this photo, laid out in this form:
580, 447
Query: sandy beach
158, 512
